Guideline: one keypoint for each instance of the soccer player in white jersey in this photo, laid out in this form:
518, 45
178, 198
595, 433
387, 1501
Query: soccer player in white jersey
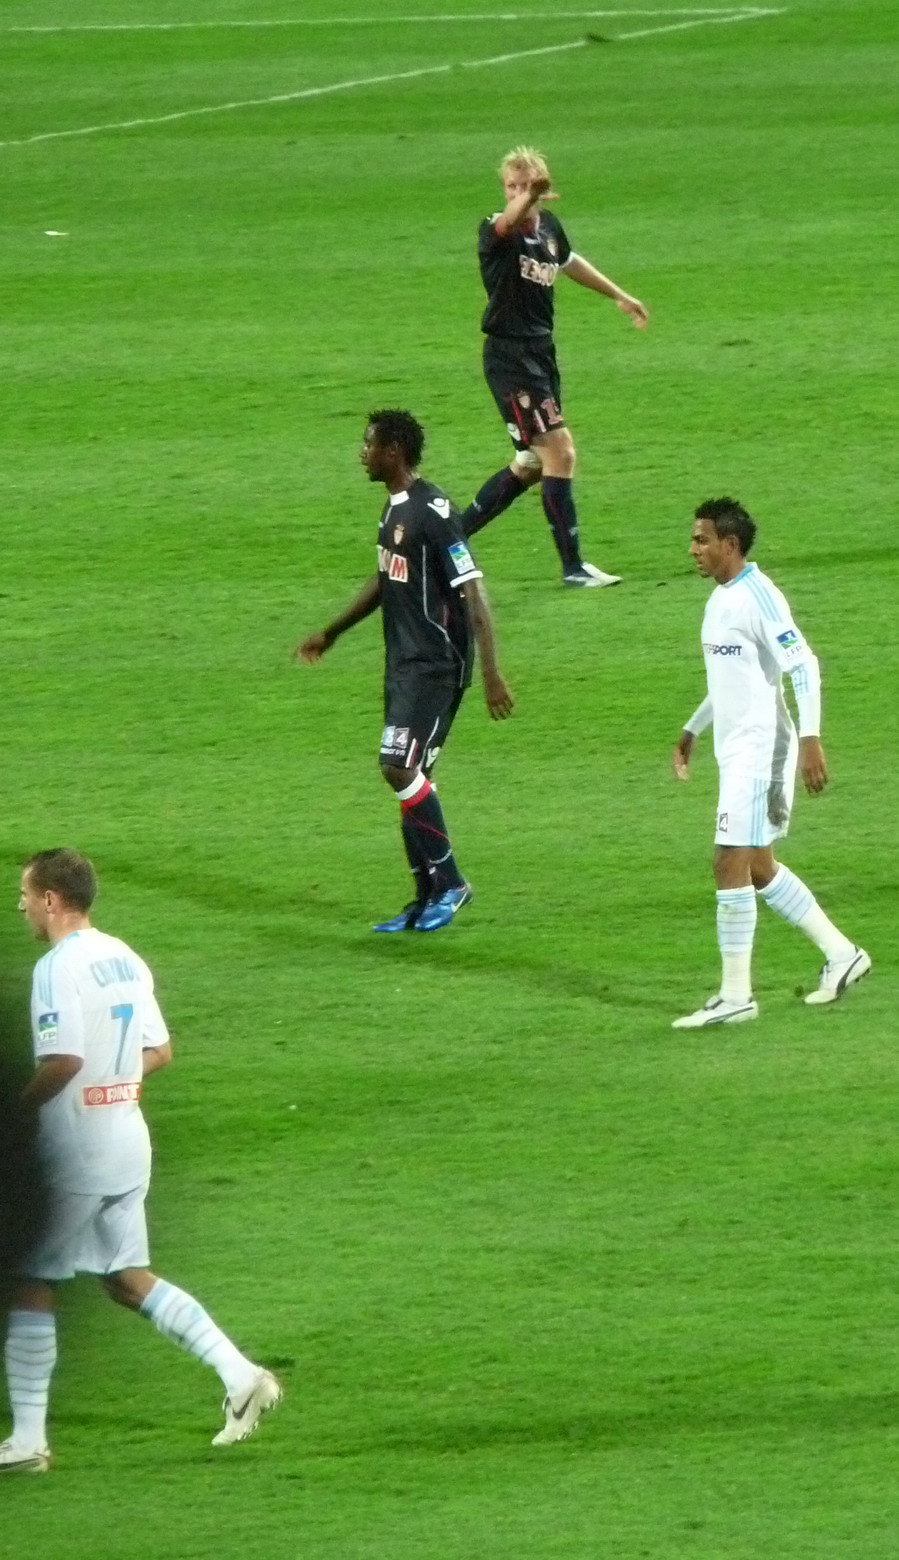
98, 1033
750, 642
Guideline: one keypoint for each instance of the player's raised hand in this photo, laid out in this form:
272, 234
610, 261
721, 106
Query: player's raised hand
313, 648
541, 187
637, 311
498, 696
812, 764
680, 758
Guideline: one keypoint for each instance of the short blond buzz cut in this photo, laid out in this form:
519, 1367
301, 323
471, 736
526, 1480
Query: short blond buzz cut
524, 157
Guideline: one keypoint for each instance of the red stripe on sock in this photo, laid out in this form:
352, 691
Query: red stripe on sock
413, 801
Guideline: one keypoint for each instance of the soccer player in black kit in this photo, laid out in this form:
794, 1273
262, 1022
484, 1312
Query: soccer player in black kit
521, 251
434, 612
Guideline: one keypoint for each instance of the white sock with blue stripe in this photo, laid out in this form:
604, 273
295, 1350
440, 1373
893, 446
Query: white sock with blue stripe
791, 898
30, 1358
182, 1319
736, 930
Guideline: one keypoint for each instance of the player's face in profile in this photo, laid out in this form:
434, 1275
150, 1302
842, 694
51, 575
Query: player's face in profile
709, 550
372, 455
33, 906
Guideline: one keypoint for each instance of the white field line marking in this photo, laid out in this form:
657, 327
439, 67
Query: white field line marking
381, 21
366, 81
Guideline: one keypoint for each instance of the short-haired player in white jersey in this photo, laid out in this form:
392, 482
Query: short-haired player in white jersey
750, 643
98, 1033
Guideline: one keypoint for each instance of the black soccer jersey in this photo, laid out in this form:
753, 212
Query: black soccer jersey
518, 273
423, 559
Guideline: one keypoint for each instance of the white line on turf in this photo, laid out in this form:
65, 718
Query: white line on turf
381, 21
367, 81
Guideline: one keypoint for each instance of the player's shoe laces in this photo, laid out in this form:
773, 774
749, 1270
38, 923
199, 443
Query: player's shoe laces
717, 1011
440, 910
243, 1415
838, 977
587, 576
22, 1459
404, 922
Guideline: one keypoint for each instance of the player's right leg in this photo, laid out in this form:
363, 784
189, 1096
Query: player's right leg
786, 894
742, 802
30, 1357
418, 718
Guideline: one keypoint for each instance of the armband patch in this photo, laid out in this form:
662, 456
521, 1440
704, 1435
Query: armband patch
461, 557
47, 1029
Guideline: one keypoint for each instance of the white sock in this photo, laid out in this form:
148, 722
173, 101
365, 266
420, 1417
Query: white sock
30, 1358
182, 1319
736, 930
789, 896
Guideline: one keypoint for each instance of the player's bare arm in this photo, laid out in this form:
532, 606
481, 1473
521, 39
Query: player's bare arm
154, 1057
680, 758
49, 1078
580, 270
812, 764
522, 195
496, 690
362, 606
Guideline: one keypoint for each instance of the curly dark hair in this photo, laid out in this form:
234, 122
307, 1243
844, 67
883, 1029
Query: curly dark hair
401, 429
729, 519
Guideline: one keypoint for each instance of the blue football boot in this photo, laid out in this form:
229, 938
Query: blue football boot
406, 921
440, 911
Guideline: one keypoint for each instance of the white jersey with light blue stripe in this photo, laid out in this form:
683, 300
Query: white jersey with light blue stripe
750, 641
92, 997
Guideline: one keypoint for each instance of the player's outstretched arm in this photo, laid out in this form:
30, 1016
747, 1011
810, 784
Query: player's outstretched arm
680, 758
496, 690
580, 270
154, 1057
518, 210
313, 647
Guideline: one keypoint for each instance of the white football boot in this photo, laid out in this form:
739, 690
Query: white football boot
587, 575
838, 977
241, 1418
717, 1011
23, 1459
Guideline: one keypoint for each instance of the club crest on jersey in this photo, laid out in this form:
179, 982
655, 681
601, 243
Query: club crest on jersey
523, 400
552, 246
394, 565
399, 532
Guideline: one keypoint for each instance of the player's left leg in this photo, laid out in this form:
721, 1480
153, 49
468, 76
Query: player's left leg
250, 1389
789, 896
501, 490
735, 919
557, 454
30, 1358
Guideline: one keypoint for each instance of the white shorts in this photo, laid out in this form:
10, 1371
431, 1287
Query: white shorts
751, 810
88, 1234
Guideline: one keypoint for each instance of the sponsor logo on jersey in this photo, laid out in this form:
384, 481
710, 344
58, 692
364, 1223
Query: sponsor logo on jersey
723, 649
543, 272
440, 507
789, 639
111, 1093
47, 1028
461, 558
431, 757
394, 565
722, 823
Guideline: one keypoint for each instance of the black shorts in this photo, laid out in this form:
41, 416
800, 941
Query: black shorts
418, 715
523, 377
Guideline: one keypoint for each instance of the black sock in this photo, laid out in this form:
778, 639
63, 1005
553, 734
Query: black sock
424, 830
421, 872
498, 492
558, 506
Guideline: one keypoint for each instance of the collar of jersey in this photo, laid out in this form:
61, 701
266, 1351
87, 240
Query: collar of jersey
398, 498
741, 576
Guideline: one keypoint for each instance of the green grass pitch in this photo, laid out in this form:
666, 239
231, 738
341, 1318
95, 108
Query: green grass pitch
545, 1281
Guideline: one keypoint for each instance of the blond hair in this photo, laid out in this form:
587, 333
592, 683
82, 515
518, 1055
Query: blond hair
524, 157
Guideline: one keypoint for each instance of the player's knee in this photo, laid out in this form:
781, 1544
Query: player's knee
124, 1289
398, 779
527, 467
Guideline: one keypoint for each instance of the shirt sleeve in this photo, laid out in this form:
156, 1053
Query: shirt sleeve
488, 238
794, 656
154, 1031
700, 718
565, 250
57, 1024
446, 535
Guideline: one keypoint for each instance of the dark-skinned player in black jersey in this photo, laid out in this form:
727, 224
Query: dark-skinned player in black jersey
434, 613
521, 251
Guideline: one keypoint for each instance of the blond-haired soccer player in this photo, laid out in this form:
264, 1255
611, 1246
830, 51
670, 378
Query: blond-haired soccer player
98, 1033
522, 249
750, 642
